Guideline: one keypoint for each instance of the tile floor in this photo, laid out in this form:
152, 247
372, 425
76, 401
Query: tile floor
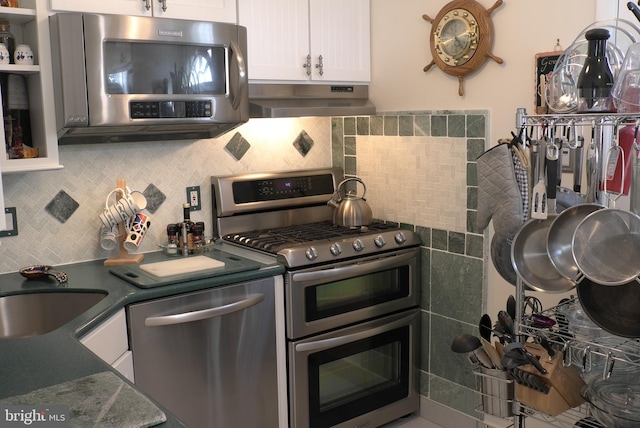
411, 422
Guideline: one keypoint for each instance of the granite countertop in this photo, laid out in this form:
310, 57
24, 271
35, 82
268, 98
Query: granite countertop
34, 363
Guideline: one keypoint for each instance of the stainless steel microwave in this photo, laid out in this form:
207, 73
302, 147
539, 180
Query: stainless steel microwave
125, 79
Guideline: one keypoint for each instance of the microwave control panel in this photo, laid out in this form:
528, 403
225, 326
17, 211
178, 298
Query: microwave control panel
169, 109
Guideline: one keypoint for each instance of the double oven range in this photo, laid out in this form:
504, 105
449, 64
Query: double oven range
351, 296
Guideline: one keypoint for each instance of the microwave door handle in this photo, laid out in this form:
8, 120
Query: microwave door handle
242, 75
321, 345
353, 269
205, 313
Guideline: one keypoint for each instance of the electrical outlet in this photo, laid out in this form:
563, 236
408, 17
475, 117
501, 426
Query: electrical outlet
193, 197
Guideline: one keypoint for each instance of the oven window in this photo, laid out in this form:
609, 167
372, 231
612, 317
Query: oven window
359, 377
155, 68
337, 297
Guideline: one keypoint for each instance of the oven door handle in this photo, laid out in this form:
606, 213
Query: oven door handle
205, 313
353, 269
321, 345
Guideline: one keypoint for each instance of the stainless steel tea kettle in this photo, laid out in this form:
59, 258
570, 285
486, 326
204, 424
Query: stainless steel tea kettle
350, 210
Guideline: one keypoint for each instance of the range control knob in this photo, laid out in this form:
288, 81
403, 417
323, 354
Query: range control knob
379, 241
358, 245
400, 238
311, 253
335, 249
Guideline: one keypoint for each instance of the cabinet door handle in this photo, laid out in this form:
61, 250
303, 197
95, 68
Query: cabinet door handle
320, 65
307, 65
147, 4
164, 5
205, 313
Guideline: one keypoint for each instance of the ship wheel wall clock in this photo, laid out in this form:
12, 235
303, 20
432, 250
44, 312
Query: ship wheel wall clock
462, 38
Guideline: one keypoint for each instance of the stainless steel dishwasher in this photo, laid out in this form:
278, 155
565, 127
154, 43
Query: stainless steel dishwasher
210, 357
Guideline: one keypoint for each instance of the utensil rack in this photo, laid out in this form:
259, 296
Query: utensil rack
599, 126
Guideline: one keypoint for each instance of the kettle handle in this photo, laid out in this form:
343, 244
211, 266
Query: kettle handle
364, 188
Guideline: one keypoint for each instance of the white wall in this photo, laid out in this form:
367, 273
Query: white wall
522, 29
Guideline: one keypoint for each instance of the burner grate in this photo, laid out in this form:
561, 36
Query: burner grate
276, 239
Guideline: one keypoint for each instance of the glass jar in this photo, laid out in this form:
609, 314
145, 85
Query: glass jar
7, 38
596, 79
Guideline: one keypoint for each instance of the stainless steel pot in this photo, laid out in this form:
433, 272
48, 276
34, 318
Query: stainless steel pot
560, 238
350, 210
531, 260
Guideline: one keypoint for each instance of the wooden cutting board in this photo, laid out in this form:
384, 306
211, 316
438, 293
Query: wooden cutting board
181, 266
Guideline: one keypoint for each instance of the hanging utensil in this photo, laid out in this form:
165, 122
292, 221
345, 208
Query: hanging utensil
552, 156
539, 191
592, 167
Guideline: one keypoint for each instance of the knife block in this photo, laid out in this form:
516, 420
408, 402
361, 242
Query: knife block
564, 383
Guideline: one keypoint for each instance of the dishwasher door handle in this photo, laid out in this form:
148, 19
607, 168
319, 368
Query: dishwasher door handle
205, 313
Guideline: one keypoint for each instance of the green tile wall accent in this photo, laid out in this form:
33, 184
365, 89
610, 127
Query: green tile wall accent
376, 125
452, 262
362, 125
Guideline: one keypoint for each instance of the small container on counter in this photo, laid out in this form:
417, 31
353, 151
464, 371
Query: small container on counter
198, 238
172, 239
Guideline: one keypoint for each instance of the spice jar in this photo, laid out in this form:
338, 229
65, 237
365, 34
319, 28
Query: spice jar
172, 238
198, 239
7, 38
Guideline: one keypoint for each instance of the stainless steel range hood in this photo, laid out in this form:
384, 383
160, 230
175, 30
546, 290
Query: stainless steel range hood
292, 100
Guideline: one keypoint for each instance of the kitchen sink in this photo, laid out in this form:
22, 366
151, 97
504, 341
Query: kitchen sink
32, 314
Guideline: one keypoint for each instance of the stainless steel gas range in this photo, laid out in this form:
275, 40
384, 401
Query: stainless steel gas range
351, 296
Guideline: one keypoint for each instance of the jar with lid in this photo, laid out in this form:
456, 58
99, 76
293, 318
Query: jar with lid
596, 79
198, 239
7, 38
172, 238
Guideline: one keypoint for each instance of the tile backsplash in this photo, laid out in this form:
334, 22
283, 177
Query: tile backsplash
57, 236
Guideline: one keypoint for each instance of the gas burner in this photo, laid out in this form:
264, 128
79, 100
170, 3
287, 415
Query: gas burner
275, 239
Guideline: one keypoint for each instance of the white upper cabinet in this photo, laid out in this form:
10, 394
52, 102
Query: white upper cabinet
30, 87
198, 10
307, 40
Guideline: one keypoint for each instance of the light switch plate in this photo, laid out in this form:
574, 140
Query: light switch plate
12, 222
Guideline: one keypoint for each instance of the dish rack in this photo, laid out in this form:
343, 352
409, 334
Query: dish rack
597, 356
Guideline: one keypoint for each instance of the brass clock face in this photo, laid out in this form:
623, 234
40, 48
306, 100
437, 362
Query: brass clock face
456, 37
461, 38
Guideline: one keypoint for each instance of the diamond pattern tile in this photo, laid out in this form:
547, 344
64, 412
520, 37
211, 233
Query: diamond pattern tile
62, 206
238, 146
303, 143
154, 196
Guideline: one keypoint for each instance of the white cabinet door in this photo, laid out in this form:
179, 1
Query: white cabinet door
198, 10
282, 33
278, 38
340, 33
120, 7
